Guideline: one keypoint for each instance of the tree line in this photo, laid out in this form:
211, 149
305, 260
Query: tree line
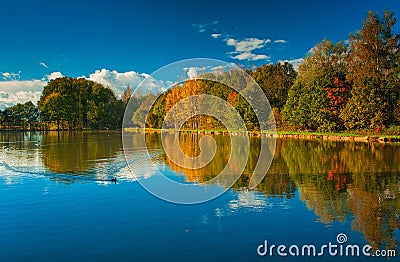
274, 80
21, 116
349, 85
69, 104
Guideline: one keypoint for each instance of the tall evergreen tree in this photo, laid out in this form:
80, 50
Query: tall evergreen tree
127, 95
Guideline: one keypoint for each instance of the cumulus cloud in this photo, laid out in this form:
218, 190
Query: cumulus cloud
13, 92
43, 64
201, 28
54, 75
192, 72
295, 62
22, 85
247, 44
22, 97
244, 48
118, 81
152, 85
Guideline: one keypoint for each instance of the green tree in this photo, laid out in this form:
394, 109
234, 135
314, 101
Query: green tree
369, 106
373, 67
130, 108
20, 116
309, 105
31, 114
157, 113
139, 117
275, 81
93, 114
80, 103
54, 109
6, 117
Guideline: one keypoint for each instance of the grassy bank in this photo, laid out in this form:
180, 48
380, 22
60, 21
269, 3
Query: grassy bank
345, 136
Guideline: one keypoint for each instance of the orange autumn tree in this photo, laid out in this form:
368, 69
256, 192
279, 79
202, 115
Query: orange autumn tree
338, 95
179, 94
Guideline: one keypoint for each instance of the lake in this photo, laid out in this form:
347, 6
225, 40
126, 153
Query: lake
58, 202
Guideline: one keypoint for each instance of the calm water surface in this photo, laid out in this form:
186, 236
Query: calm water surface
57, 203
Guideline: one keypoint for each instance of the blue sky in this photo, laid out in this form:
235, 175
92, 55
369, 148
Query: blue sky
118, 42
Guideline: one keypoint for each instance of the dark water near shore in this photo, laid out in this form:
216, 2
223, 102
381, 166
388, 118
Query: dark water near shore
58, 204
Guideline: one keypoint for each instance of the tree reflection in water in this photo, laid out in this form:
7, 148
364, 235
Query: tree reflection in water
336, 180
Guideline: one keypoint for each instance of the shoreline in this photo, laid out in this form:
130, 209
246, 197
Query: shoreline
367, 138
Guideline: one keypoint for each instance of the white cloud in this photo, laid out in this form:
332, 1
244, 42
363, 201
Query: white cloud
54, 75
215, 35
6, 75
152, 85
250, 56
192, 73
24, 96
11, 75
295, 62
13, 92
219, 68
244, 48
243, 56
247, 45
118, 81
260, 57
3, 94
20, 85
201, 28
43, 64
280, 41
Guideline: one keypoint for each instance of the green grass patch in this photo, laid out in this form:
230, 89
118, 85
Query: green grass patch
280, 132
